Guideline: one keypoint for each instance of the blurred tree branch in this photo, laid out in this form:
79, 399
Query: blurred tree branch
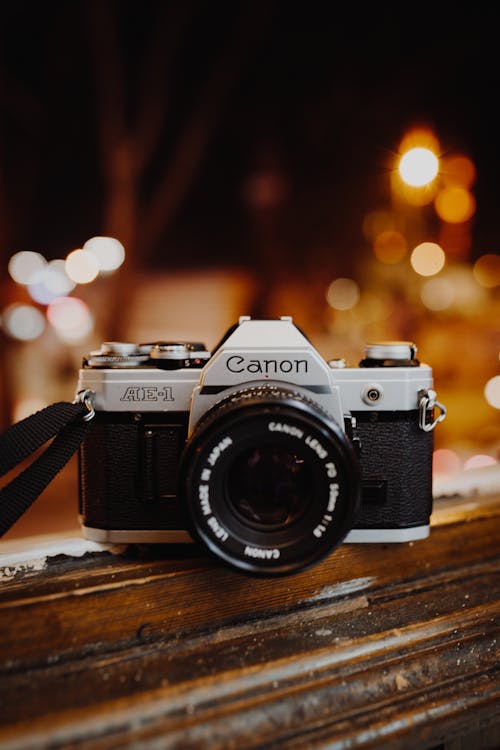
154, 97
129, 144
187, 158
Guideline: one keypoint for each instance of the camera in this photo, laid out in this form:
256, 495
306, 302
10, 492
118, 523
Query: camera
262, 451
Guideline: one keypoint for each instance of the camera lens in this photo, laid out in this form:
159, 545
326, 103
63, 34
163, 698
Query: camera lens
269, 486
268, 481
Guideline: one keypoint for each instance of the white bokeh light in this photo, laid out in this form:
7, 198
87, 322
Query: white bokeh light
24, 265
427, 259
56, 278
50, 282
38, 291
108, 251
81, 266
23, 322
418, 167
71, 319
343, 294
437, 294
492, 392
479, 461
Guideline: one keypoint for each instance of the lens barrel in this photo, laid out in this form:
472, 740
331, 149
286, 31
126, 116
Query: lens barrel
269, 482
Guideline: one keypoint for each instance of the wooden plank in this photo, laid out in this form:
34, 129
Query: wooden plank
391, 646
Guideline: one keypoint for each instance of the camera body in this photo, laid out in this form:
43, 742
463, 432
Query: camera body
263, 451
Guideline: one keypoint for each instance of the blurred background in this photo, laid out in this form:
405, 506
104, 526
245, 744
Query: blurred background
168, 166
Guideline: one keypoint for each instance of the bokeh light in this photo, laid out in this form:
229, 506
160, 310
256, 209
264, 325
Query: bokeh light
469, 298
108, 252
38, 291
415, 196
71, 319
427, 259
479, 461
343, 294
486, 270
50, 282
265, 189
23, 322
390, 246
457, 169
418, 167
420, 136
446, 462
492, 392
56, 279
437, 294
382, 220
24, 265
82, 266
455, 204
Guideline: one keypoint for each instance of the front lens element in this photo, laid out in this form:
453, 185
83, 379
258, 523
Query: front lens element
269, 486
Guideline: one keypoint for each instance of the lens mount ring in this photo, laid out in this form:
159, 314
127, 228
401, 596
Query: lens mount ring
297, 465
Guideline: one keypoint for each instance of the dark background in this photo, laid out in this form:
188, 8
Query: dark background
317, 95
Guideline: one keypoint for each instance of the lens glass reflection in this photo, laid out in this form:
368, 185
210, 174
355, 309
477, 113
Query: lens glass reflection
269, 486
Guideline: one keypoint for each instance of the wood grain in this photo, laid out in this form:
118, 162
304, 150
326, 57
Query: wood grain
383, 646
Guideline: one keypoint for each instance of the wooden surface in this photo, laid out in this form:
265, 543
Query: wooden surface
379, 646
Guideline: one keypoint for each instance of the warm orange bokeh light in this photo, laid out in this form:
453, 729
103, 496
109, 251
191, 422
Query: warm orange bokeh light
457, 169
416, 196
455, 205
419, 137
390, 246
487, 270
376, 222
417, 167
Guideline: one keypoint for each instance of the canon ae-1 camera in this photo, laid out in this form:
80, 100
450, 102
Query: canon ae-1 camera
264, 452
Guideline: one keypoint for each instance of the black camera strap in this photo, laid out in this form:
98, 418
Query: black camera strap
66, 425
